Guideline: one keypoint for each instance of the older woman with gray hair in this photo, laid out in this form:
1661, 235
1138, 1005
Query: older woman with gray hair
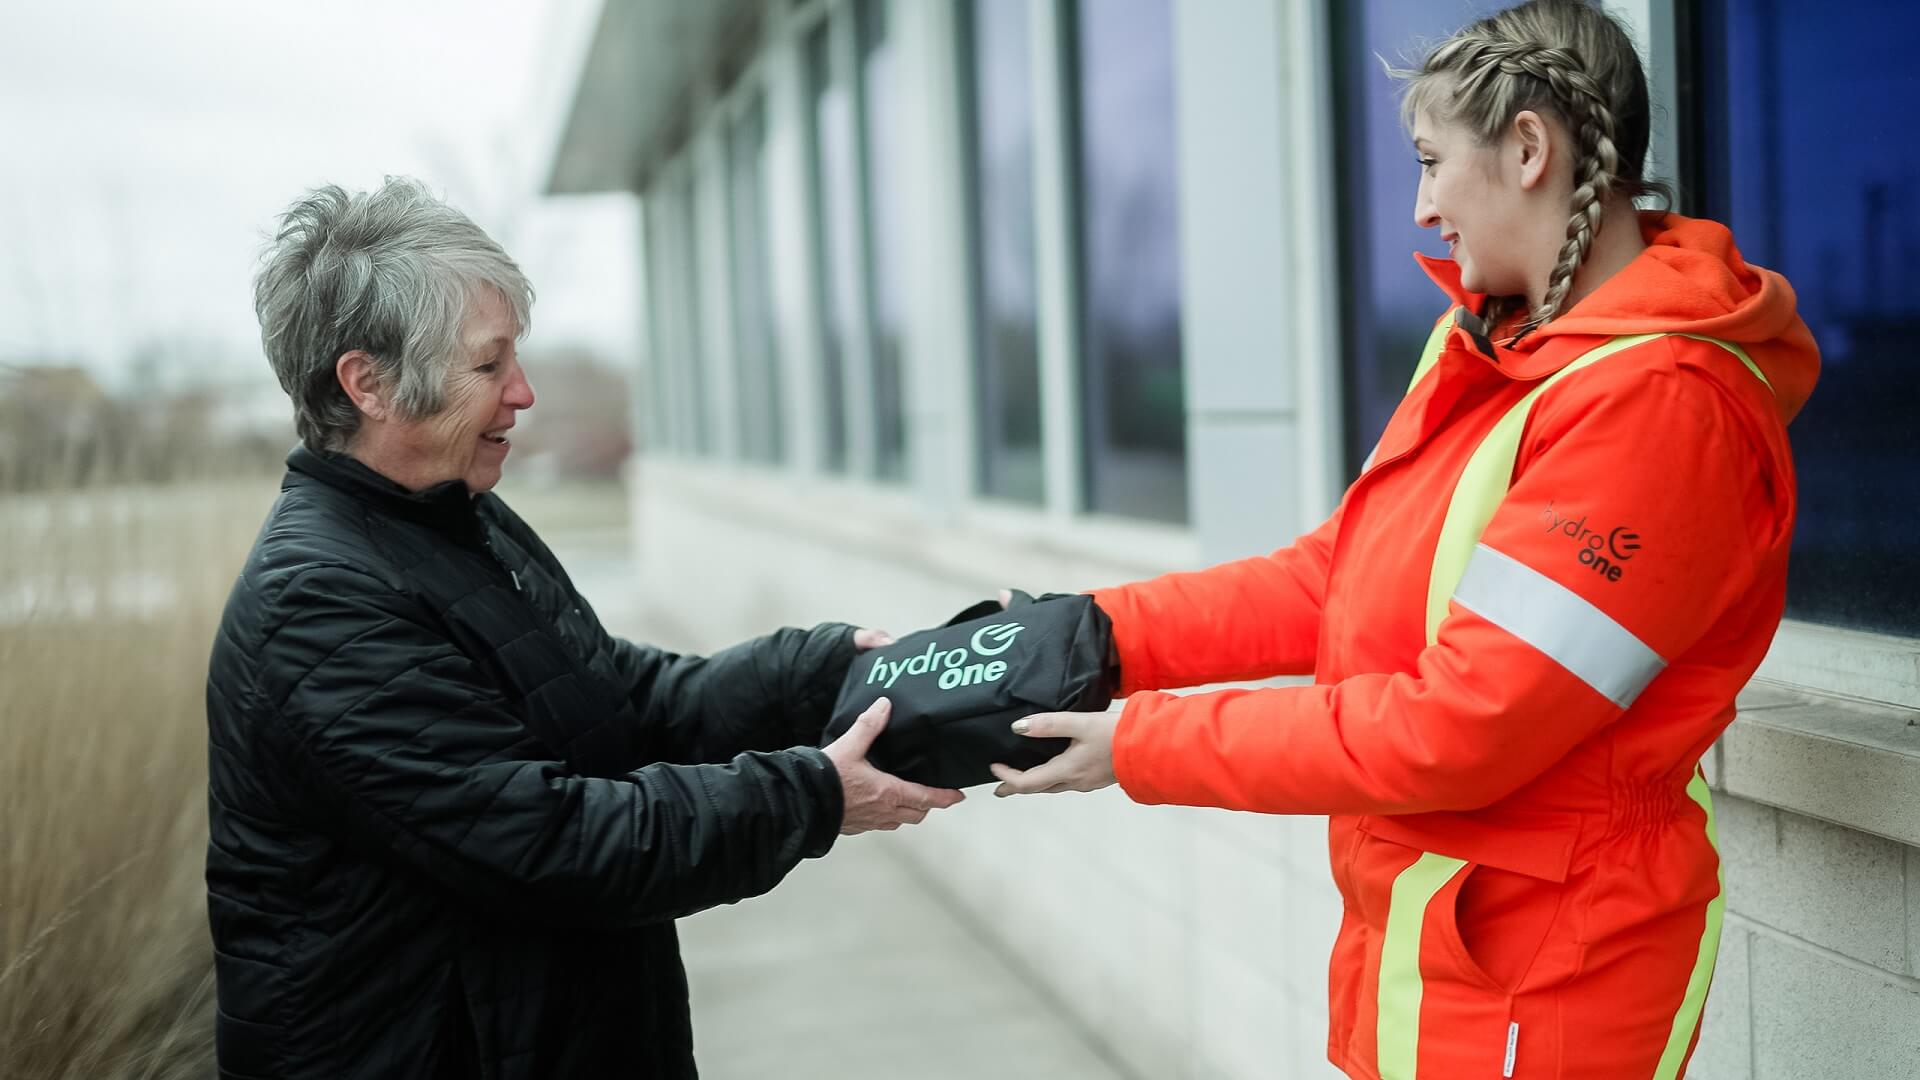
453, 818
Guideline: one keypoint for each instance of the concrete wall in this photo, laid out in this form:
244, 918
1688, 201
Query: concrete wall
1818, 962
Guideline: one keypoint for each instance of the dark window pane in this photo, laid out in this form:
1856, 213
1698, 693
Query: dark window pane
1135, 417
881, 154
838, 274
1387, 303
998, 62
1810, 163
756, 356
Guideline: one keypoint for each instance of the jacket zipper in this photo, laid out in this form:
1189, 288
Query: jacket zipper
502, 564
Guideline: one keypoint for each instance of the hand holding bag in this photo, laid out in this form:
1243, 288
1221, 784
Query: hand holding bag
957, 689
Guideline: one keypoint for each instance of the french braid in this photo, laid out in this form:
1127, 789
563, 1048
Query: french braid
1531, 57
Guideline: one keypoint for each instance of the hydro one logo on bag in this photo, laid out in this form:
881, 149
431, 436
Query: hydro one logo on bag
954, 665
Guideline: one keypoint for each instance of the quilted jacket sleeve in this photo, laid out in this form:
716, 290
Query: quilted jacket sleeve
767, 693
410, 752
1253, 618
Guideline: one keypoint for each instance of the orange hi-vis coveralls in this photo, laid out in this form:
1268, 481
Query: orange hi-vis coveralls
1526, 622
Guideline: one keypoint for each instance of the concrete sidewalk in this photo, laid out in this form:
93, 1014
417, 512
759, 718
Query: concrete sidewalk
854, 970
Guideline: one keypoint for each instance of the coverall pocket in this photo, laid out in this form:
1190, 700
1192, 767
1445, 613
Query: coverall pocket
1497, 923
1491, 918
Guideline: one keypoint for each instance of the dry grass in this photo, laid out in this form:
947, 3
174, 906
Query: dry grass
108, 603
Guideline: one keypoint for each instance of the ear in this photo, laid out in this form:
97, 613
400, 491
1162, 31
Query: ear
1531, 146
355, 370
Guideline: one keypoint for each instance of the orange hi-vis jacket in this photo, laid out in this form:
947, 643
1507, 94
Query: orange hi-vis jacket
1526, 622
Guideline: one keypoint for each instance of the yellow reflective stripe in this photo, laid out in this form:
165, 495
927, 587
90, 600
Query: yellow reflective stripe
1736, 351
1430, 352
1483, 484
1687, 1019
1397, 1034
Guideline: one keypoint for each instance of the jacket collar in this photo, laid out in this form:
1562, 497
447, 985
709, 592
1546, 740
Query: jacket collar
1535, 357
446, 506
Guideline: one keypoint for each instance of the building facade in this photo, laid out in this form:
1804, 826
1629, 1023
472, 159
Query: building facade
945, 295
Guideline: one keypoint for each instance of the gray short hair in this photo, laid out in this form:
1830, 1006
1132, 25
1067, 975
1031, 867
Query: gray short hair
391, 271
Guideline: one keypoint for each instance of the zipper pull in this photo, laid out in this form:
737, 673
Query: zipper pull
516, 588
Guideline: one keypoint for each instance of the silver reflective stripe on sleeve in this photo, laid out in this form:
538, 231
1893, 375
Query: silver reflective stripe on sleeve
1559, 622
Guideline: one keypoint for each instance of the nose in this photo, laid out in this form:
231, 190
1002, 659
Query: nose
1424, 214
519, 393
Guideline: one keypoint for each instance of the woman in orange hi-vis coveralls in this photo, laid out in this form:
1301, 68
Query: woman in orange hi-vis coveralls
1529, 616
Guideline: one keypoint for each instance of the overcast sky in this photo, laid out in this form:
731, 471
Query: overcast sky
145, 148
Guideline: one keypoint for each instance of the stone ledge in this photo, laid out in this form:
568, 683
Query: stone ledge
1851, 762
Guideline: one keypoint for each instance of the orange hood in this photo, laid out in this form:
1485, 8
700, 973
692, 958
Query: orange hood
1690, 279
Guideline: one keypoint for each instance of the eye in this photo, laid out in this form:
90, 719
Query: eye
488, 368
1428, 163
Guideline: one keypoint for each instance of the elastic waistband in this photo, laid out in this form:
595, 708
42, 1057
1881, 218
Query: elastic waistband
1643, 807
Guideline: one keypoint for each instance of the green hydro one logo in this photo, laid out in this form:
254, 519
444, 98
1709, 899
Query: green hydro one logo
956, 667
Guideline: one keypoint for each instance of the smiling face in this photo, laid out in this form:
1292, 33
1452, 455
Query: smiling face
1464, 194
467, 439
486, 388
1501, 208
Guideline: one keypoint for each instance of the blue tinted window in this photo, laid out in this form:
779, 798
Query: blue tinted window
998, 60
1135, 417
1809, 154
1387, 303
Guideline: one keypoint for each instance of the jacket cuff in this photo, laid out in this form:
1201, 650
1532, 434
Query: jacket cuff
825, 656
1129, 641
817, 772
1133, 753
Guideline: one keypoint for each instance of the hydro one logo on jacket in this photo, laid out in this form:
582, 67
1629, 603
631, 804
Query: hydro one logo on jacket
954, 667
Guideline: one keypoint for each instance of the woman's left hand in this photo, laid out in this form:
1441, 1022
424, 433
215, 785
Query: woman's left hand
871, 639
1086, 765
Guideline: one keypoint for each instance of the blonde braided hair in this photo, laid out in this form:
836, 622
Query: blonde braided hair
1563, 57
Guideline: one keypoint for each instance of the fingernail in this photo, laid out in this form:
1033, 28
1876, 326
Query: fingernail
1020, 726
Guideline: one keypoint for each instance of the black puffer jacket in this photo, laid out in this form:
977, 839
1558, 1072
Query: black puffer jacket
453, 819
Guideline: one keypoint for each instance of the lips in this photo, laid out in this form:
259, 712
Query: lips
497, 438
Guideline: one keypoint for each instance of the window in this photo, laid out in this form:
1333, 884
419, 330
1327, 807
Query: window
678, 382
659, 433
881, 153
1388, 304
756, 357
1797, 154
997, 59
837, 277
1134, 421
691, 351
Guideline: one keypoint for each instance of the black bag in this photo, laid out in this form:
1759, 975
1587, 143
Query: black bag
957, 689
